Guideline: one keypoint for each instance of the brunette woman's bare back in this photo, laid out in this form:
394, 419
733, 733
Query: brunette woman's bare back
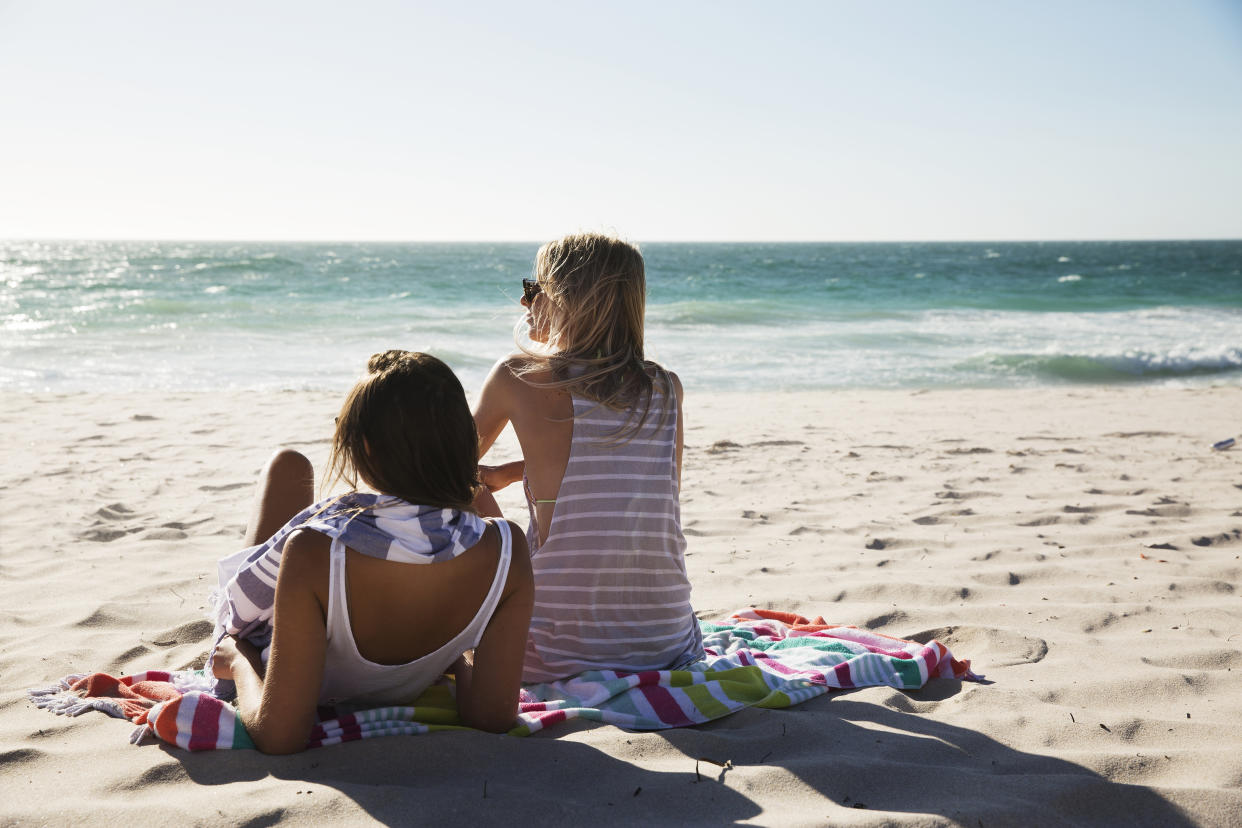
398, 612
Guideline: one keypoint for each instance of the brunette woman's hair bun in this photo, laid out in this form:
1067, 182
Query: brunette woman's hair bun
382, 362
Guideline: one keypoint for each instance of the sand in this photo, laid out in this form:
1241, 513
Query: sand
1081, 546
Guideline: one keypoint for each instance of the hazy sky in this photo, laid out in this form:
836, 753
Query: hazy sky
659, 120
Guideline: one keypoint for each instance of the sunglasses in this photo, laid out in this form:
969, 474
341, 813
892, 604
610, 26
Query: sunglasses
530, 289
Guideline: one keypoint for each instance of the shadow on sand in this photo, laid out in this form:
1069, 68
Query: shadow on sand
858, 755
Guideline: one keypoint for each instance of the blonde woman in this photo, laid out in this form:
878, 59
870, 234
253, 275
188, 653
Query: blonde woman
600, 429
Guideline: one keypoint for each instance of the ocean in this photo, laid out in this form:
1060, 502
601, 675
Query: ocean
118, 316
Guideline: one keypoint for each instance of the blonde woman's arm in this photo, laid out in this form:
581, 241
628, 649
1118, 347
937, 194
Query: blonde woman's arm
681, 428
491, 415
493, 409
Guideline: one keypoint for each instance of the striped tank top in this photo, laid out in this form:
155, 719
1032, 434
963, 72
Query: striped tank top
611, 591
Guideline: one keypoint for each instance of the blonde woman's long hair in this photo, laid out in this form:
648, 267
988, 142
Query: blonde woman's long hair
598, 287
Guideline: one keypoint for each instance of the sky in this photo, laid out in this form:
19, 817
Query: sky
684, 121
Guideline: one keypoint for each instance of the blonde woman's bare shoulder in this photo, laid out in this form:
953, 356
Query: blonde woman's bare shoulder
524, 369
507, 369
676, 381
659, 372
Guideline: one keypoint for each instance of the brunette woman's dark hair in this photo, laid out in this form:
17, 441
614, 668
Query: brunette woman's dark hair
406, 430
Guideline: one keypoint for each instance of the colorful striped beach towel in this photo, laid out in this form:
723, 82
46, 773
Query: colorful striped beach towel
759, 658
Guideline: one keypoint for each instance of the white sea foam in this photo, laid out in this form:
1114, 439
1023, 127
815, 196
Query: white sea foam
1072, 277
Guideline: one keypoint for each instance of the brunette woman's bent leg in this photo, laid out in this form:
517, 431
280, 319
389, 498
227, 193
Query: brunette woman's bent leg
286, 487
486, 505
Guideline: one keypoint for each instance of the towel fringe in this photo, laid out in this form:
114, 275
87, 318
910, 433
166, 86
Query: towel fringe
65, 702
59, 687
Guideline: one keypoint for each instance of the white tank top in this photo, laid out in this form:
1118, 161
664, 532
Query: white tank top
348, 677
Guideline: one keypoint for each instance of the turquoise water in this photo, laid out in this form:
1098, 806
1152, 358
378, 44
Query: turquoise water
196, 315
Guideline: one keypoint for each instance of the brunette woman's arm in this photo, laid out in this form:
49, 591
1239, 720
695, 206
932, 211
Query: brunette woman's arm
278, 707
487, 690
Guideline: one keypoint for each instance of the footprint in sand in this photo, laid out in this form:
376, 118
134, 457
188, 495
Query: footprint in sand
1224, 537
1042, 521
174, 772
20, 756
1176, 510
163, 534
105, 618
130, 655
100, 534
880, 477
1085, 513
227, 487
115, 511
1206, 659
188, 633
805, 530
883, 620
987, 646
1102, 622
921, 700
184, 524
998, 578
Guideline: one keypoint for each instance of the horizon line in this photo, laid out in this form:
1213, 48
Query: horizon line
259, 240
